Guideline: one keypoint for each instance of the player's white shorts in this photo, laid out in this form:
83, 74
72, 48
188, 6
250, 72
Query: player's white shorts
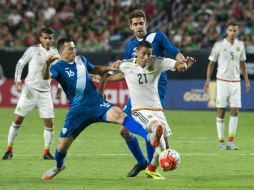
146, 116
228, 93
31, 98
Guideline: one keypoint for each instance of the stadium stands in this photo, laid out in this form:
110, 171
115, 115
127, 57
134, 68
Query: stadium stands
102, 24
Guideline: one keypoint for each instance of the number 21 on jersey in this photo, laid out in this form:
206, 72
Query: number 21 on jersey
142, 78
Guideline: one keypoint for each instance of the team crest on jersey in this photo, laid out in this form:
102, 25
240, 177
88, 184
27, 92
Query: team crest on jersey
238, 48
64, 130
18, 108
150, 68
149, 116
105, 104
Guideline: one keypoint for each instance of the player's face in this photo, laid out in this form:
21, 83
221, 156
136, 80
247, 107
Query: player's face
232, 32
143, 56
68, 52
138, 26
46, 40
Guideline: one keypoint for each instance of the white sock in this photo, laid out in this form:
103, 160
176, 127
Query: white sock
158, 150
155, 160
232, 126
13, 133
48, 137
220, 128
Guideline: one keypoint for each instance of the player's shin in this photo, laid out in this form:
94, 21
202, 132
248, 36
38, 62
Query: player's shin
150, 151
220, 129
13, 133
48, 139
233, 121
155, 160
134, 127
59, 156
133, 145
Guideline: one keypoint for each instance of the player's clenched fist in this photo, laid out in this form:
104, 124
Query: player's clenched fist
50, 59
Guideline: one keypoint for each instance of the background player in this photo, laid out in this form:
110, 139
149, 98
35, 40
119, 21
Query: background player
35, 93
86, 104
230, 55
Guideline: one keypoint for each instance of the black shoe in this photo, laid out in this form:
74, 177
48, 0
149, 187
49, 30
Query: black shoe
8, 155
48, 157
136, 169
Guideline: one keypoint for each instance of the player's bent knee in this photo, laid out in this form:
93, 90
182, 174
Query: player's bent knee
152, 123
115, 115
64, 144
18, 120
124, 132
48, 122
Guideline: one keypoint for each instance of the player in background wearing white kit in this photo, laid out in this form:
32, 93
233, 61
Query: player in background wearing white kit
142, 75
35, 93
230, 56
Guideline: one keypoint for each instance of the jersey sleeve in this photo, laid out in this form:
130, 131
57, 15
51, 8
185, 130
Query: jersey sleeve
27, 56
168, 64
243, 54
88, 64
169, 47
127, 52
123, 67
214, 53
53, 71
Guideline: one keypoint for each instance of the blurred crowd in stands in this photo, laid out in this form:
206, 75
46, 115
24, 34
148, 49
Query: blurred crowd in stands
103, 24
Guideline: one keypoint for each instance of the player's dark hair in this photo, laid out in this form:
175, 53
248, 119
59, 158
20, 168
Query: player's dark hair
136, 14
232, 24
47, 30
61, 41
145, 44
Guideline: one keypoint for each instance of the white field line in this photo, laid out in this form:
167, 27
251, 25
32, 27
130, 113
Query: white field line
129, 155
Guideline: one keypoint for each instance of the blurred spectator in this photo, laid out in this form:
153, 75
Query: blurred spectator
249, 44
101, 24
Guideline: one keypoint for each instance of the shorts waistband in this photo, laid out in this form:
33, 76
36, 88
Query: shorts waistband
228, 80
152, 109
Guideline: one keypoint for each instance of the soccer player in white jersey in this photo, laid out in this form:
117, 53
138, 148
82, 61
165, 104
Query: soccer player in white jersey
230, 56
35, 93
142, 75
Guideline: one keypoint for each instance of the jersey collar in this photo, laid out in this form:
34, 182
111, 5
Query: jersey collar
44, 48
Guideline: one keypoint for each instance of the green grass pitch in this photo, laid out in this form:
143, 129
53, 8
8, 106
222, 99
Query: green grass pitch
99, 158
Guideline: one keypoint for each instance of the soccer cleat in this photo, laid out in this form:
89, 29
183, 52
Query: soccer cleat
232, 146
155, 136
222, 146
136, 169
8, 155
52, 172
153, 175
48, 157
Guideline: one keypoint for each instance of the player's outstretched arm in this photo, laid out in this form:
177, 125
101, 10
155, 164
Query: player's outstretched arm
45, 70
109, 78
185, 64
189, 61
103, 69
180, 57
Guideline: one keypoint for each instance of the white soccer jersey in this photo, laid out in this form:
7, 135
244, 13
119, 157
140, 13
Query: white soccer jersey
36, 57
228, 57
143, 82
